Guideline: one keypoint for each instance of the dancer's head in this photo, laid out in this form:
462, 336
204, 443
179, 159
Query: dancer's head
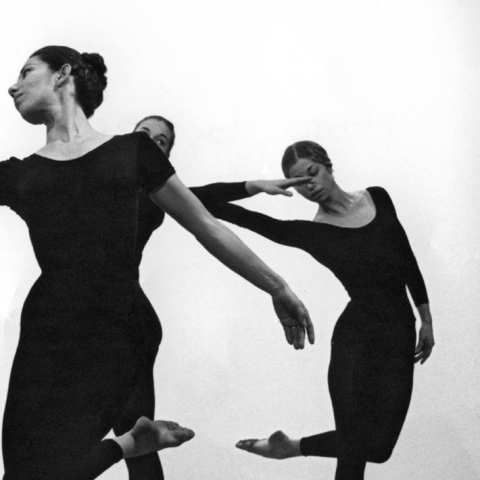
308, 159
54, 75
160, 130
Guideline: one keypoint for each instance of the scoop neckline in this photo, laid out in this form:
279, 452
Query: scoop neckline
368, 189
98, 147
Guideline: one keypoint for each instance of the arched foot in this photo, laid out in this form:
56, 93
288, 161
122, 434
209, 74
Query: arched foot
278, 446
152, 435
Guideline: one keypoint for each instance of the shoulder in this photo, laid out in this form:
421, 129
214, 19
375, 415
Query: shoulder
379, 192
381, 197
12, 164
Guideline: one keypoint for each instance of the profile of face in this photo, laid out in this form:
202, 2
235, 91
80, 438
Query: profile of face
159, 132
321, 183
34, 91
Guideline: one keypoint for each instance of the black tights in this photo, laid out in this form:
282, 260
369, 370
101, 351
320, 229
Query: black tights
141, 403
67, 392
370, 386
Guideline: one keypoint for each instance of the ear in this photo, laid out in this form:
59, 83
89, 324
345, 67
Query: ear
63, 75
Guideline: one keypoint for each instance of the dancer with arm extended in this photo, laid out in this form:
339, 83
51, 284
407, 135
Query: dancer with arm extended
142, 400
358, 236
81, 351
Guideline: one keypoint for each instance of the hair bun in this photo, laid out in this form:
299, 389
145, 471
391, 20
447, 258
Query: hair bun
95, 60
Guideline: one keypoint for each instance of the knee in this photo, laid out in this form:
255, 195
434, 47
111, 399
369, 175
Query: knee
380, 455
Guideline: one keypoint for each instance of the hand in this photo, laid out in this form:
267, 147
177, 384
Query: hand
294, 317
425, 343
275, 187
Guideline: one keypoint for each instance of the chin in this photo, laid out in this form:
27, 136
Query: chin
35, 118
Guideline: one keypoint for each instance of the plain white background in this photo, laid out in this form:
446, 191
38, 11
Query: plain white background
390, 89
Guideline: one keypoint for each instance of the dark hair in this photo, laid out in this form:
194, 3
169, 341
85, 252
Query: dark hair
168, 123
307, 150
88, 70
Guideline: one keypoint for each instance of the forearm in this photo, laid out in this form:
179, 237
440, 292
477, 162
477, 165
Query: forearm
424, 312
214, 193
232, 252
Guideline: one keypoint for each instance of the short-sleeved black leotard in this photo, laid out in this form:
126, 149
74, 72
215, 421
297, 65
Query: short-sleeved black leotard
81, 350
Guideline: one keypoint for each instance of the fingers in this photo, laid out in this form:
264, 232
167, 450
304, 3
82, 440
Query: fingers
423, 351
294, 182
307, 323
288, 335
419, 346
299, 342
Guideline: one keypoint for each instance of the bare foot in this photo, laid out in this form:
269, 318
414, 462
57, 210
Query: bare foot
278, 446
152, 435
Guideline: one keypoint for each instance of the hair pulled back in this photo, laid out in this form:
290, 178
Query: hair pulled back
88, 70
158, 118
304, 150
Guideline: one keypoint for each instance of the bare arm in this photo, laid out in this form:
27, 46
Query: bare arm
175, 199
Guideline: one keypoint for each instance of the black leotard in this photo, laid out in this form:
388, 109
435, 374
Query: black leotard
85, 323
371, 370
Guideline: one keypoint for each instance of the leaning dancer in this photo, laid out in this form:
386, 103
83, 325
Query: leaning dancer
358, 236
81, 354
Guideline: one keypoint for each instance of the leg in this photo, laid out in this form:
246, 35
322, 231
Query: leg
370, 385
61, 403
141, 402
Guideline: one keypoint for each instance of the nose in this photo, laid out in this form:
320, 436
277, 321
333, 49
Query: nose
12, 90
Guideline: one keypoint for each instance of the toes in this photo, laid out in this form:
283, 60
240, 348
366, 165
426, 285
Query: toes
247, 445
185, 434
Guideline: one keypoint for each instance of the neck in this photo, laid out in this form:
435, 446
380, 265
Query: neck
338, 203
67, 123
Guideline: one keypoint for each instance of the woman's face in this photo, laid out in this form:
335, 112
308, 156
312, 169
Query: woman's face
319, 188
34, 91
159, 132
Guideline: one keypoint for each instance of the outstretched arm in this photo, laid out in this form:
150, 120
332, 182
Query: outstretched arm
275, 187
175, 199
230, 192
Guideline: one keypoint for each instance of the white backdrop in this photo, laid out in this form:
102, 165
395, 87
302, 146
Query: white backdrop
390, 89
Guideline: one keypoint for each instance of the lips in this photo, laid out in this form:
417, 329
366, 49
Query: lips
17, 97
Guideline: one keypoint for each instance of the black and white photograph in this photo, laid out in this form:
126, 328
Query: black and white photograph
240, 240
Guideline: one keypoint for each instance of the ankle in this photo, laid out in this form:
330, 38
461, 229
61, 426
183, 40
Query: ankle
295, 448
127, 444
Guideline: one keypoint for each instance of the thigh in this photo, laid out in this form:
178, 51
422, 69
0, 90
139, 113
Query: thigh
370, 382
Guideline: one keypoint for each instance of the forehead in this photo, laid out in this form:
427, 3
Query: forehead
156, 127
34, 61
300, 168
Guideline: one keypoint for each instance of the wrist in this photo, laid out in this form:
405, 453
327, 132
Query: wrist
279, 287
252, 187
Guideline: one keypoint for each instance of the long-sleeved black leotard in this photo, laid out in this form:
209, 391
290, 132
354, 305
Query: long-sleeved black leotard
371, 370
85, 324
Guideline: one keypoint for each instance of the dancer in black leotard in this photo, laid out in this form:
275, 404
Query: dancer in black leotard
359, 238
82, 351
150, 217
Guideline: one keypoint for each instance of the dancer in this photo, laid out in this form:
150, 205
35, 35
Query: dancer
150, 217
357, 236
81, 353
